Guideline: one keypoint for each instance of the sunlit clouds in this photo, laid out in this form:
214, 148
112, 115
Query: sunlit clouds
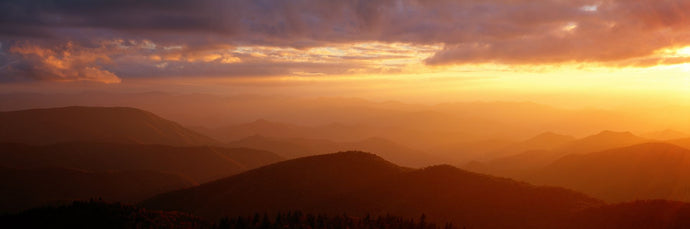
412, 47
65, 63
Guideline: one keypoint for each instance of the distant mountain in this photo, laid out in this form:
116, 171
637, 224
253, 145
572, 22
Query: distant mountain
287, 147
645, 171
260, 127
480, 150
487, 150
300, 147
543, 141
602, 141
198, 163
94, 124
25, 188
519, 165
665, 135
356, 183
682, 142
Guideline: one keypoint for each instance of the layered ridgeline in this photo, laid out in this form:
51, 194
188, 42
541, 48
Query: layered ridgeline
25, 188
95, 124
300, 147
645, 171
119, 154
521, 165
99, 214
196, 163
359, 183
45, 174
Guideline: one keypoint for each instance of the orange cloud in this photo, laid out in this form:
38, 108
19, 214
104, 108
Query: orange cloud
66, 63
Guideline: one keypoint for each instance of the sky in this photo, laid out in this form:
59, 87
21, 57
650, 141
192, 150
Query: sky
573, 53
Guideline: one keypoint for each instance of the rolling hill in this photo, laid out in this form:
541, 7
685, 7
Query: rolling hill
300, 147
647, 214
24, 188
100, 214
94, 124
522, 164
645, 171
486, 150
359, 183
198, 163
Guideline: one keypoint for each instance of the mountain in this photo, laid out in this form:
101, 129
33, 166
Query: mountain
294, 184
100, 214
602, 141
94, 124
359, 183
543, 141
520, 165
260, 127
480, 150
648, 214
682, 142
645, 171
25, 188
286, 147
666, 135
198, 163
300, 147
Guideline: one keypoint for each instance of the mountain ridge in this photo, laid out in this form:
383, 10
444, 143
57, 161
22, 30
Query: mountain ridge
95, 124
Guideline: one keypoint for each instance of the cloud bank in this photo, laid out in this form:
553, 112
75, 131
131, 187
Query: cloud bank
112, 39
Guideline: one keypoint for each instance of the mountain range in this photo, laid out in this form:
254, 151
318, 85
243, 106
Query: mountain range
645, 171
95, 124
359, 183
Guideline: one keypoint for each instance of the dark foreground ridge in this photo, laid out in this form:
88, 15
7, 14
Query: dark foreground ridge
99, 214
359, 183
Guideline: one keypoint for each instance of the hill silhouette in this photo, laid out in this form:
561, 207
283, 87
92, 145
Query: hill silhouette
647, 214
198, 163
665, 135
100, 214
26, 188
487, 150
522, 164
359, 183
94, 124
300, 147
645, 171
682, 142
295, 184
603, 140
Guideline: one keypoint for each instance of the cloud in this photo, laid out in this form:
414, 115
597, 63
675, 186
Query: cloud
65, 63
163, 37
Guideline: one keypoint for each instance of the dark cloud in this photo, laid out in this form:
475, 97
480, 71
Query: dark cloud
610, 32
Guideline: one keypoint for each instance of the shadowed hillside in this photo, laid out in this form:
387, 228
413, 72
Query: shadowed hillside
301, 183
646, 171
98, 214
94, 124
648, 214
198, 163
25, 188
358, 183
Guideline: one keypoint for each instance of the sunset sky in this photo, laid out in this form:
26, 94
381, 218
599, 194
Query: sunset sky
619, 52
